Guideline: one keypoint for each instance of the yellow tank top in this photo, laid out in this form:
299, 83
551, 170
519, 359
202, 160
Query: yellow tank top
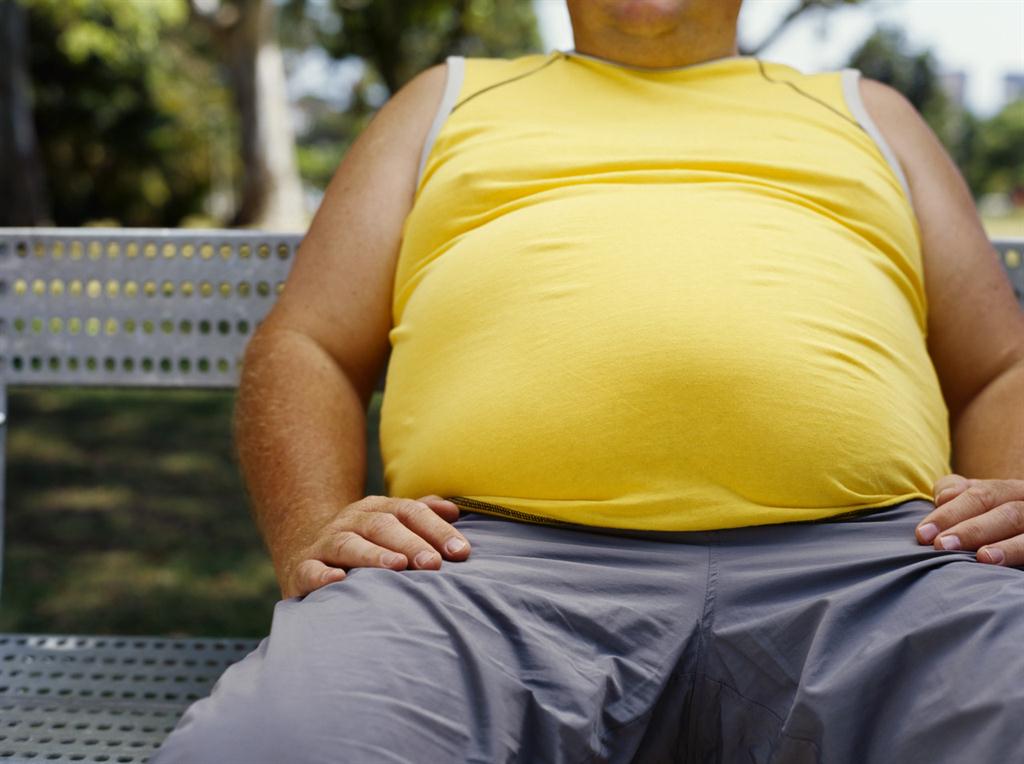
659, 299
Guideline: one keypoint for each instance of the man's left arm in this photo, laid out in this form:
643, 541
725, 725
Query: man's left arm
976, 341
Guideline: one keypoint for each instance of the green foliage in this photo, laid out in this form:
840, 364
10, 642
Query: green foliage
999, 160
129, 119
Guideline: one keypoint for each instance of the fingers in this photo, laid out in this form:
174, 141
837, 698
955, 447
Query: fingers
311, 575
446, 509
985, 512
949, 487
1007, 552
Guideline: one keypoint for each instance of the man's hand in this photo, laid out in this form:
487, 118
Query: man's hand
377, 532
982, 515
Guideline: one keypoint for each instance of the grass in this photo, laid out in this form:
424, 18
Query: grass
126, 514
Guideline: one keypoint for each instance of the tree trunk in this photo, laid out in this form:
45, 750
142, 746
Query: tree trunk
23, 199
271, 195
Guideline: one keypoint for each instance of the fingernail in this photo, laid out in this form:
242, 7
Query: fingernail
390, 559
928, 532
454, 546
950, 543
423, 559
994, 553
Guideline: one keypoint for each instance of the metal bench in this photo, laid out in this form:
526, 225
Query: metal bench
134, 308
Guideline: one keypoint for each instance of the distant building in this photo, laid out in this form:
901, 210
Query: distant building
954, 85
1013, 86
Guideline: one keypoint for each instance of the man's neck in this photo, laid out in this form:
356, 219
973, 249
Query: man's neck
654, 53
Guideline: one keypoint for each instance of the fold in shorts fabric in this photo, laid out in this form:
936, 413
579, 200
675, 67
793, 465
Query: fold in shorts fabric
840, 641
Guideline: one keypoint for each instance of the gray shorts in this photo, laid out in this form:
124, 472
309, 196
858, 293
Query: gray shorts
841, 641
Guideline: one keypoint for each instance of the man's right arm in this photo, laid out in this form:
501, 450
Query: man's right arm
312, 365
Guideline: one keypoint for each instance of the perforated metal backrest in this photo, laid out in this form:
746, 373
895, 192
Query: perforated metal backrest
134, 307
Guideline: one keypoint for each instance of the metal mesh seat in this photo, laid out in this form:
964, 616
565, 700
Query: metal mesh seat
134, 308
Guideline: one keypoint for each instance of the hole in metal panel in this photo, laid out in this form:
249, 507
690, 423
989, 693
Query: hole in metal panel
244, 289
149, 288
37, 326
113, 250
184, 365
203, 365
128, 364
19, 325
205, 289
54, 363
110, 327
22, 249
283, 251
129, 325
95, 250
75, 288
110, 364
165, 365
224, 327
57, 250
37, 364
91, 365
206, 251
187, 288
242, 327
20, 286
245, 251
225, 251
169, 250
1012, 258
185, 327
263, 289
131, 289
167, 326
56, 287
113, 287
204, 327
225, 289
56, 325
94, 289
76, 250
149, 250
263, 251
73, 364
167, 289
92, 327
147, 327
39, 287
279, 287
147, 364
131, 251
223, 367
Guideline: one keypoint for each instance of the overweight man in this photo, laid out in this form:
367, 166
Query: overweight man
703, 427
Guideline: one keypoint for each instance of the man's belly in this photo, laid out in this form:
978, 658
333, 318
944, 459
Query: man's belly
660, 374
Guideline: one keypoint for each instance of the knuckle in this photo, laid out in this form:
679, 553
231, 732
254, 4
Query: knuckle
409, 509
1014, 513
981, 495
381, 522
343, 541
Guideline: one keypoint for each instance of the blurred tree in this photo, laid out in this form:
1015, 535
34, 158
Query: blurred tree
885, 56
245, 35
128, 122
23, 199
998, 165
800, 8
390, 41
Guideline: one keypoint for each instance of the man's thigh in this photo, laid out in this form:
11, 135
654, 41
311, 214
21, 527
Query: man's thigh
546, 645
866, 646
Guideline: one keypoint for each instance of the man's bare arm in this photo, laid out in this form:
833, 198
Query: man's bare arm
311, 367
976, 341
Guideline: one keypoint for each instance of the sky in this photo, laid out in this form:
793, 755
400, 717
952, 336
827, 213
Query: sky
983, 38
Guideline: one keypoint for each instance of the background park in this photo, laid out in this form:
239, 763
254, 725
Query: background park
125, 512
